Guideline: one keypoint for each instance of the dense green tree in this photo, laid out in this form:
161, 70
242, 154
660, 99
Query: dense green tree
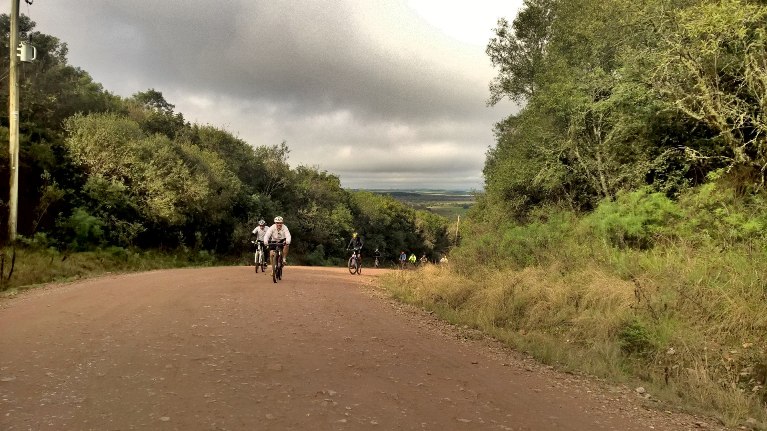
710, 64
168, 182
50, 91
618, 95
518, 51
155, 114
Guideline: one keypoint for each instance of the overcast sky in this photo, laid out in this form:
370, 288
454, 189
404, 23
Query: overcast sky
384, 94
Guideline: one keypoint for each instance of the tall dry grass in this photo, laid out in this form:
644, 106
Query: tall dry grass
686, 317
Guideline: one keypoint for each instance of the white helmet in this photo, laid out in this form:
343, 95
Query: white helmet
278, 219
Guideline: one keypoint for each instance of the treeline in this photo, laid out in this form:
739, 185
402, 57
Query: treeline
620, 95
98, 170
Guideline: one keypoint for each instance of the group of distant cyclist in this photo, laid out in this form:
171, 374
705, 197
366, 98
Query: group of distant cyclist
276, 238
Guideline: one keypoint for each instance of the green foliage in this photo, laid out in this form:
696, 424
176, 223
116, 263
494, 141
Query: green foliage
168, 182
620, 95
710, 63
83, 229
37, 265
392, 227
513, 245
634, 219
39, 241
52, 91
635, 339
716, 214
518, 51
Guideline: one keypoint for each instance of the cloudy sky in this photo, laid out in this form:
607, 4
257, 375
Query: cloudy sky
382, 93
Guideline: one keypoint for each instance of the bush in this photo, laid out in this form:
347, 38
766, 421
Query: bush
718, 214
39, 241
634, 219
635, 338
83, 230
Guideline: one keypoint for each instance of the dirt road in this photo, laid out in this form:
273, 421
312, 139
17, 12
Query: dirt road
227, 349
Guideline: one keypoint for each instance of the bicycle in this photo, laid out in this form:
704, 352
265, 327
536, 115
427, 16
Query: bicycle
355, 264
259, 258
277, 265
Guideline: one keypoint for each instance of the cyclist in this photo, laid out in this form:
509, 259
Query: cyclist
356, 245
277, 232
402, 259
259, 233
424, 260
377, 254
412, 259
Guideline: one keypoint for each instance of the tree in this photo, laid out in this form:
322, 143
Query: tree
711, 65
518, 51
155, 114
168, 182
52, 90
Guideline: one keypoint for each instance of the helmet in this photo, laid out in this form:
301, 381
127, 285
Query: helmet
278, 219
354, 235
261, 223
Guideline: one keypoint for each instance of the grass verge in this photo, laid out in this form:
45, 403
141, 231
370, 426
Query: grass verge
32, 266
687, 323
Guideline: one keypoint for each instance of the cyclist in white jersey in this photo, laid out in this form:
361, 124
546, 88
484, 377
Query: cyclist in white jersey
260, 231
277, 232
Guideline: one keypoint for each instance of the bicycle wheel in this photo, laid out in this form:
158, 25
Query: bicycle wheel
359, 267
352, 265
258, 259
274, 266
279, 271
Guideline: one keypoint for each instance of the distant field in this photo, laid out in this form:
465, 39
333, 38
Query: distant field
447, 203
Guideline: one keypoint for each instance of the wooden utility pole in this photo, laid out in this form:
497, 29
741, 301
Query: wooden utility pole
13, 115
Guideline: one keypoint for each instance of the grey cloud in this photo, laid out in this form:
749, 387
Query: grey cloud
360, 88
312, 55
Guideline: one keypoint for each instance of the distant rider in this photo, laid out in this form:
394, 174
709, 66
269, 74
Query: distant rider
377, 254
277, 233
356, 245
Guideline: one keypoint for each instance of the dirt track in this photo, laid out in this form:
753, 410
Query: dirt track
226, 349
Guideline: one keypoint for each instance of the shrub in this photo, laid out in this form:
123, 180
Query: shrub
634, 219
316, 257
84, 230
718, 214
635, 338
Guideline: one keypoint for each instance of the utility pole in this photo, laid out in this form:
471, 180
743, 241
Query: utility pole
13, 116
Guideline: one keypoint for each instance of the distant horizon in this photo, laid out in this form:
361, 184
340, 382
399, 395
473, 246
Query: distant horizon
383, 183
415, 189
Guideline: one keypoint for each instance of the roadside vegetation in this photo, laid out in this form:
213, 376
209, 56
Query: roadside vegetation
111, 183
623, 227
30, 266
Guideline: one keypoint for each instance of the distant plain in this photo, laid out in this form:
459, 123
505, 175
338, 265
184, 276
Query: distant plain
447, 203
